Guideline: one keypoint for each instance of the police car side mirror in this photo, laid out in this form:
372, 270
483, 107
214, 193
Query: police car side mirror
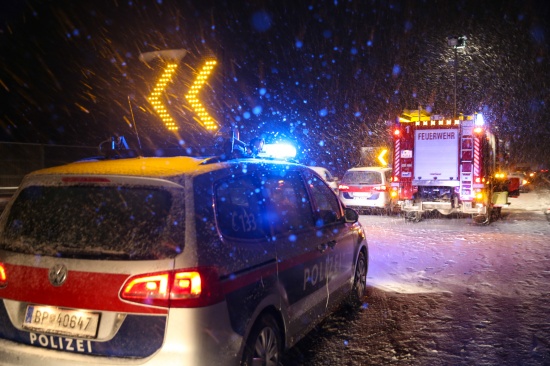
351, 215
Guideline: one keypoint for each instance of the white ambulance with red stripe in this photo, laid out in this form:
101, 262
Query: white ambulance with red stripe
449, 165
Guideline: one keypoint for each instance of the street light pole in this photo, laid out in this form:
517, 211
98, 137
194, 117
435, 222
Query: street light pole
456, 43
456, 73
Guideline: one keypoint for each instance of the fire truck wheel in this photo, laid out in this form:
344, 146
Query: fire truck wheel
497, 213
483, 219
414, 216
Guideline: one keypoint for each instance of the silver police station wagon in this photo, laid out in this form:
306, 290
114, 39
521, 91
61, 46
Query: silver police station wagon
172, 261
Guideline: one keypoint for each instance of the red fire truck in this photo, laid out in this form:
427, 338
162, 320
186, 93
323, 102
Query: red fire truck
448, 165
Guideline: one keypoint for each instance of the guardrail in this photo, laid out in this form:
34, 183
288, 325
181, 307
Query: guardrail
19, 159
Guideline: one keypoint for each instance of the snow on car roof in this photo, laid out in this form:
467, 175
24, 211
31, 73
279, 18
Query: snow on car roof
141, 166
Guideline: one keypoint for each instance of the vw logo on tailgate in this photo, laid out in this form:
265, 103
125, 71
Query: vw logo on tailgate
57, 274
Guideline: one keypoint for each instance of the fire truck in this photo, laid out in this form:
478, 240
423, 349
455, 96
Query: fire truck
448, 165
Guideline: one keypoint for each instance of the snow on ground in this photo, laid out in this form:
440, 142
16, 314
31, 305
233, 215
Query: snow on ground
445, 291
428, 242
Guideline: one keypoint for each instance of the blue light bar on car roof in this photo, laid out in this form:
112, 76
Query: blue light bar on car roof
278, 151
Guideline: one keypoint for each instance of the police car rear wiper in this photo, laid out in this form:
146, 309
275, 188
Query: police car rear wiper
90, 253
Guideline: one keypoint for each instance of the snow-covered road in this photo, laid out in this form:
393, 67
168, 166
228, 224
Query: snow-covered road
447, 292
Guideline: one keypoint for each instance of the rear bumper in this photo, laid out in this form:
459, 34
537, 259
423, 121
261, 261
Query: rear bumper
201, 336
444, 207
379, 201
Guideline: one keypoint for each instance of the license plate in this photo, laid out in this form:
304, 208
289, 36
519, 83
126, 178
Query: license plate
53, 320
361, 195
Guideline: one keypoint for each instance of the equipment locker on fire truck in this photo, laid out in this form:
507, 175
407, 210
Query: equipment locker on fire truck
447, 165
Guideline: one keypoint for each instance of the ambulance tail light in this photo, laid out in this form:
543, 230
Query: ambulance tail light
397, 132
187, 288
3, 276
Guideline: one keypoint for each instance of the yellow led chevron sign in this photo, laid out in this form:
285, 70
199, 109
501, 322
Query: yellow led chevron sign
205, 119
381, 157
155, 101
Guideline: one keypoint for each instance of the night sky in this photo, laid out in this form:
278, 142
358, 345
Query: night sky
327, 75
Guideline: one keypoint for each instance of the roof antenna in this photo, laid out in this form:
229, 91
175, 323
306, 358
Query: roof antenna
134, 122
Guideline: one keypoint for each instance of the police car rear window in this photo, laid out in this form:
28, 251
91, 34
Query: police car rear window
91, 222
362, 177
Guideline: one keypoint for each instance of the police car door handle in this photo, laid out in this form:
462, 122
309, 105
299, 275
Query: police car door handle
324, 246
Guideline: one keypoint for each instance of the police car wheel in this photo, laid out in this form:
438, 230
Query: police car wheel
264, 344
359, 289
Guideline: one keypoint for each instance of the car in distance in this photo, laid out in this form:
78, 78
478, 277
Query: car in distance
525, 185
366, 189
331, 180
172, 261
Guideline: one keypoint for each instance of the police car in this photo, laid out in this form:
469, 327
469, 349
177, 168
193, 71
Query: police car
172, 261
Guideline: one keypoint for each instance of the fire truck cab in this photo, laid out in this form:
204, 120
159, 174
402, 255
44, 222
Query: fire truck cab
447, 165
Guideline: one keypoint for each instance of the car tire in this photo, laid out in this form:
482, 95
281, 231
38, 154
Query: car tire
359, 289
264, 345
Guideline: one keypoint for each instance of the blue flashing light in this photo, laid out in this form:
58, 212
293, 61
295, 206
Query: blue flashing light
479, 120
278, 151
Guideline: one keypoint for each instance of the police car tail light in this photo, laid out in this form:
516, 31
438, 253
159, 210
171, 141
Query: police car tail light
183, 288
186, 284
380, 188
3, 276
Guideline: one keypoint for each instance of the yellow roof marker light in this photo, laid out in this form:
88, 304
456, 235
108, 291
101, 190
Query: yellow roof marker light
204, 118
155, 101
